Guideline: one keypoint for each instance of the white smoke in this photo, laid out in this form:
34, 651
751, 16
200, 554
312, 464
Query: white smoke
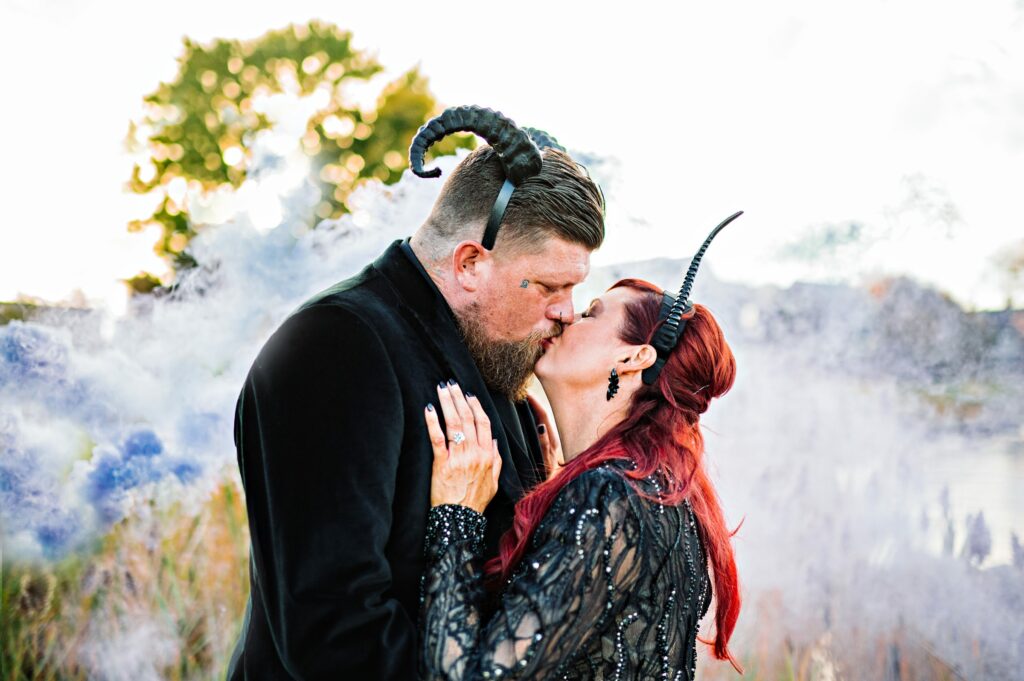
87, 421
824, 447
133, 649
834, 455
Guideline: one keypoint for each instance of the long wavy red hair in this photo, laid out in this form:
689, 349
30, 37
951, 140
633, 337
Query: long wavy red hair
661, 434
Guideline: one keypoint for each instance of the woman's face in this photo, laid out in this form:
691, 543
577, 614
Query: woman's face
584, 355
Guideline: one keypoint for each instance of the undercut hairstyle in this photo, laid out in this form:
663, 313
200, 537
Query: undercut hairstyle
561, 201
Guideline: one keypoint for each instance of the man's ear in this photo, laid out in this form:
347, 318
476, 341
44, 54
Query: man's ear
470, 262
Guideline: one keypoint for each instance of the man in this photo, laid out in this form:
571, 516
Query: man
331, 441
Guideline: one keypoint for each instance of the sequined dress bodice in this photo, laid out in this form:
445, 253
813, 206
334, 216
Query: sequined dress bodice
613, 586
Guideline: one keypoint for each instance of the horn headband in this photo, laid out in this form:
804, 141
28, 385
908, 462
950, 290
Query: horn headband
518, 149
674, 308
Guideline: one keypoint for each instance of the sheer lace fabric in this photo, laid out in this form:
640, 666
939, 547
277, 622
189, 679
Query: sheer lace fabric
612, 587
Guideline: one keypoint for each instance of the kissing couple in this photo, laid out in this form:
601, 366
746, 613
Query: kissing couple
415, 514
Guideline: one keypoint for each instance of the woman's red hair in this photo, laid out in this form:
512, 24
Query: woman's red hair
661, 433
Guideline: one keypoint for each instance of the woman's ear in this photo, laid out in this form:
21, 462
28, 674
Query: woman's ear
641, 357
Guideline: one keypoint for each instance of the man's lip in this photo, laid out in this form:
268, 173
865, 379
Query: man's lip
547, 343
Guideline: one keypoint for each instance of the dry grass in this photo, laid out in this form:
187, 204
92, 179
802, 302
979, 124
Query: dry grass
163, 594
861, 655
167, 575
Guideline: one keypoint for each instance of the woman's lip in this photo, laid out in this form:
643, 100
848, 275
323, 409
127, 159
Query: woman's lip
547, 343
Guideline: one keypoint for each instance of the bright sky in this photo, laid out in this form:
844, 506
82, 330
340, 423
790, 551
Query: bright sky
905, 117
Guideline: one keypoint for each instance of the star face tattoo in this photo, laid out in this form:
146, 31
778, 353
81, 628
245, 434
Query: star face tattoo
526, 282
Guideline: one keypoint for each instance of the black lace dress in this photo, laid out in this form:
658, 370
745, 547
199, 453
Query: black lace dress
612, 587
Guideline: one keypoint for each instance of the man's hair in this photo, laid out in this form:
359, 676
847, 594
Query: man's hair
560, 201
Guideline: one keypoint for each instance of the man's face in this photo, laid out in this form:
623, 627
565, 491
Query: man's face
531, 295
522, 301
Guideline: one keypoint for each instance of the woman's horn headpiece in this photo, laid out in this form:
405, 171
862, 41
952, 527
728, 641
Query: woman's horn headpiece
673, 310
518, 149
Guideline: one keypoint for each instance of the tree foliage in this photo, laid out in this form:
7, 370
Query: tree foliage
199, 130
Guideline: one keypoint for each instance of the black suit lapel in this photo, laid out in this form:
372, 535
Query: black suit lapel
426, 309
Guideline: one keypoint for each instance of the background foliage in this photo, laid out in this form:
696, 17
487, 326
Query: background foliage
199, 129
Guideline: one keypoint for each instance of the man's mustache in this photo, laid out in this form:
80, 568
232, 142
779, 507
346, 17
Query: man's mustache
555, 332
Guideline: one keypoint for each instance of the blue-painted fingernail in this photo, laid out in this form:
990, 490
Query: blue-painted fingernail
442, 385
469, 394
430, 407
541, 429
451, 381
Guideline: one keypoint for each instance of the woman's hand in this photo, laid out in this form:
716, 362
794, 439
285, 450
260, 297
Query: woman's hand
466, 462
550, 447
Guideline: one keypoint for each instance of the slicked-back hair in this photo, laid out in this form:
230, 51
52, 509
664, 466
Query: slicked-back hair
560, 201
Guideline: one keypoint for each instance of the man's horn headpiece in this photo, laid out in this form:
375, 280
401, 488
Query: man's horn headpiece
519, 150
673, 310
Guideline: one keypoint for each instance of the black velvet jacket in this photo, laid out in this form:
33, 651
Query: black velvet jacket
335, 462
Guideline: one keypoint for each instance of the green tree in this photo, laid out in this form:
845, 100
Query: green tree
199, 129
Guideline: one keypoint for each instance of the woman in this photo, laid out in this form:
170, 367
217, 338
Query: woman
604, 573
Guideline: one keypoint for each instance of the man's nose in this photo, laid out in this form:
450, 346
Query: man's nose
562, 312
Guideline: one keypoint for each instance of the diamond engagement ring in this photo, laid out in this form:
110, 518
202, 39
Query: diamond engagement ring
458, 437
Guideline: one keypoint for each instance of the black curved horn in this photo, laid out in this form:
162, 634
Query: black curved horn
518, 154
543, 139
672, 310
684, 290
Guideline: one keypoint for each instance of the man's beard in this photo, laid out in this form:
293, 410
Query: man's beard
506, 366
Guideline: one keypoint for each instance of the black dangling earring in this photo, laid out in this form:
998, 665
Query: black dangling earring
613, 384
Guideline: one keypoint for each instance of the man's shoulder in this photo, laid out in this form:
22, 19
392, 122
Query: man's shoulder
334, 326
365, 296
360, 293
354, 309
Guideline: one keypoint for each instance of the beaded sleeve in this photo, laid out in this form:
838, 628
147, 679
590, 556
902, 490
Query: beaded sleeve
569, 588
